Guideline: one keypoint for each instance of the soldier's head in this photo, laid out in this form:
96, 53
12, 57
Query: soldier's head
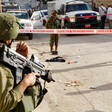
54, 13
9, 28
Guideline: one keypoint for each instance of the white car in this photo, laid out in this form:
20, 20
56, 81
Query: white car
37, 20
45, 15
24, 20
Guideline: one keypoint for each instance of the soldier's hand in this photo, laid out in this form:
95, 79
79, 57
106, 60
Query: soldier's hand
28, 80
22, 49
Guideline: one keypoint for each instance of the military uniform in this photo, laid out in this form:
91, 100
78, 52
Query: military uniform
9, 97
12, 97
53, 24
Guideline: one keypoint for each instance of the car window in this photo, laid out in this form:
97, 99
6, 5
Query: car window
45, 13
77, 7
20, 15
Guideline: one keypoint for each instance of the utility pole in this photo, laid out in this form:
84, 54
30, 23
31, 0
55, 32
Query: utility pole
0, 7
92, 4
40, 4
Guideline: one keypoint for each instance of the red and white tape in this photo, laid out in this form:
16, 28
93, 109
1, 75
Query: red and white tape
78, 17
67, 31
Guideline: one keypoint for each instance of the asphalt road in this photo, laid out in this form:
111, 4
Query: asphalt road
84, 85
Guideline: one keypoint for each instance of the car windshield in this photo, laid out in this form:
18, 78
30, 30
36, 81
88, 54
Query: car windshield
77, 7
21, 15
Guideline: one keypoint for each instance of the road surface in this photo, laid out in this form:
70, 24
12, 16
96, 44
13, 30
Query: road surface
84, 85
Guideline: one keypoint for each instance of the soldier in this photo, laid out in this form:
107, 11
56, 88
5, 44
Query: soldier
53, 23
15, 98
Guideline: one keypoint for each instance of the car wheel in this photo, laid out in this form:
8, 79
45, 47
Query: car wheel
44, 22
68, 26
30, 36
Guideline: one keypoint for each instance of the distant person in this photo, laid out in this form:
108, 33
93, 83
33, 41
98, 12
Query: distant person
53, 23
108, 5
102, 11
109, 16
30, 12
95, 8
33, 10
38, 6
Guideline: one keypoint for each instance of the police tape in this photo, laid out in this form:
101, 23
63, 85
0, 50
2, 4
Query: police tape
78, 17
86, 16
66, 31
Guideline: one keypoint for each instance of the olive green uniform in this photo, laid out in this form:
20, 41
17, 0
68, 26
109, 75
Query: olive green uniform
53, 24
9, 97
14, 98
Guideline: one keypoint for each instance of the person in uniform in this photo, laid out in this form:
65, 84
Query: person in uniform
53, 23
15, 98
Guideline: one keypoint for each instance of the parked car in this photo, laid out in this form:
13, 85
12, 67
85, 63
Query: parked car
37, 20
24, 19
45, 15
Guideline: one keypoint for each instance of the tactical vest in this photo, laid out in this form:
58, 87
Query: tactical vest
53, 23
32, 98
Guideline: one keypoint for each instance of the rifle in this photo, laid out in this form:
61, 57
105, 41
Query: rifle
22, 65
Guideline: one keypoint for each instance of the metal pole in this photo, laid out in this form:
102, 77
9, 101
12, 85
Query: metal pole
0, 7
40, 4
92, 4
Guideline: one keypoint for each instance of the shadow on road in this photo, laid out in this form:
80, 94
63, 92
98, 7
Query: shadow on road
94, 111
109, 63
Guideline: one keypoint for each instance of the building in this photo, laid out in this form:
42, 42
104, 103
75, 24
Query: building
25, 4
97, 2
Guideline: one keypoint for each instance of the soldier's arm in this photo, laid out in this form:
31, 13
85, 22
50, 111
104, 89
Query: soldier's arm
9, 97
46, 25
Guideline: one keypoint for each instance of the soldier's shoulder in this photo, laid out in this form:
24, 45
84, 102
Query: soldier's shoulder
2, 65
4, 68
51, 18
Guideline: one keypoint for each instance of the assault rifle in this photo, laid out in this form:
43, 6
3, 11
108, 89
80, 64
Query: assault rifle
21, 65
